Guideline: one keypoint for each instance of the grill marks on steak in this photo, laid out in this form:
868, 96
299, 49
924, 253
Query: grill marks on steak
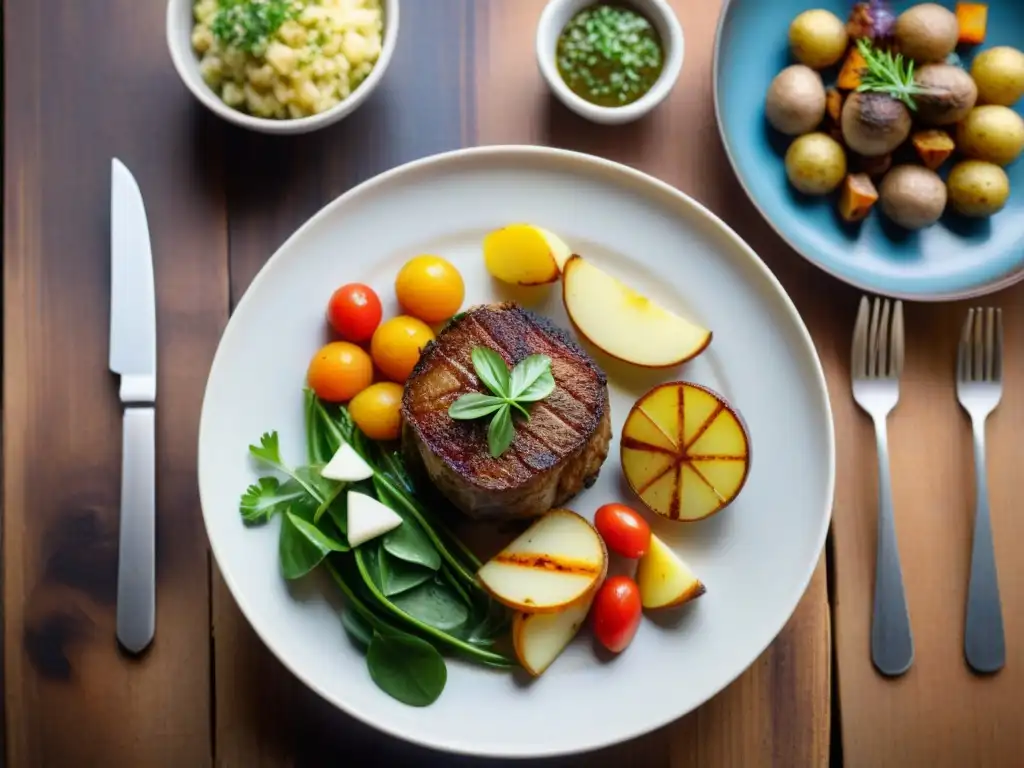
561, 428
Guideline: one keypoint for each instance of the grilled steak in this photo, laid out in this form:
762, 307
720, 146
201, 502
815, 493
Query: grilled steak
553, 456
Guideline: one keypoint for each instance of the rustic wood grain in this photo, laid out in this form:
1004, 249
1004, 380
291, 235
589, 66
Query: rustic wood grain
82, 87
939, 714
778, 712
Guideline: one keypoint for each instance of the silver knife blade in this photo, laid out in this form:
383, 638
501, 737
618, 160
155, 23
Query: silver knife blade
133, 356
132, 295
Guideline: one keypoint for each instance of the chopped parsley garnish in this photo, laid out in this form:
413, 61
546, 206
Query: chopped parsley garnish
249, 24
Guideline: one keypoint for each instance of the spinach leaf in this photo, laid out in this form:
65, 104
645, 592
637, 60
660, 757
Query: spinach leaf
337, 512
318, 442
489, 622
408, 541
357, 628
331, 498
310, 476
434, 604
407, 506
302, 546
267, 496
397, 576
406, 668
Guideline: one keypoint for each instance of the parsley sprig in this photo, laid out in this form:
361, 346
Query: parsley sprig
249, 24
529, 381
888, 74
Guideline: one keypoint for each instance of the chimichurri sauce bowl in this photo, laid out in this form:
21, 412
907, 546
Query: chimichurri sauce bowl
610, 62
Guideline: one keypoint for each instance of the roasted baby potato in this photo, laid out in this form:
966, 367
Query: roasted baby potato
993, 133
912, 196
874, 123
815, 164
999, 75
977, 188
949, 94
796, 100
818, 38
927, 32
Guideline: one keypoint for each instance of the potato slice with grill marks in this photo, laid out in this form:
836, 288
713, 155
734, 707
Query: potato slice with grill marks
685, 451
554, 563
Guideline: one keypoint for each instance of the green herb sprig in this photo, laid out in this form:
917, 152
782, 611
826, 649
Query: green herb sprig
529, 381
888, 74
249, 24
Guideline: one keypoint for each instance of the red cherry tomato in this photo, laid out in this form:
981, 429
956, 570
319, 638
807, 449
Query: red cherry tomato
624, 531
617, 612
354, 312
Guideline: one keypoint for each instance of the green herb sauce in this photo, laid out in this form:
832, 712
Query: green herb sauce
609, 55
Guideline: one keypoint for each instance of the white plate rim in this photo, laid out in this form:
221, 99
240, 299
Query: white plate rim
608, 168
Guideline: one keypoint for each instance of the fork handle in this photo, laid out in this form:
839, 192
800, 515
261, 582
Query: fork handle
892, 644
984, 644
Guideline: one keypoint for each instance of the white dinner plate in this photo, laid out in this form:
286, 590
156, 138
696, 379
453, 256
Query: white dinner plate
756, 557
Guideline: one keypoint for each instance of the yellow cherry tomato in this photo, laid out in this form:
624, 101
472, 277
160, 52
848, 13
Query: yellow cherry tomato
377, 410
430, 288
396, 346
339, 371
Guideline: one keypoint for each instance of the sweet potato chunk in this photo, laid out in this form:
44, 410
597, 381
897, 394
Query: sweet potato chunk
833, 104
853, 68
973, 21
857, 198
933, 147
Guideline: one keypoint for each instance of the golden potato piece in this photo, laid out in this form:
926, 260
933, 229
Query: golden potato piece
522, 254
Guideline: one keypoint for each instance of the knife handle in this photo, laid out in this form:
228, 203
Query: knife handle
136, 573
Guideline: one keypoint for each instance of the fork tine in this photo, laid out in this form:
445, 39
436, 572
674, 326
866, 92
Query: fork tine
883, 341
990, 343
860, 340
978, 346
997, 365
897, 343
963, 364
873, 340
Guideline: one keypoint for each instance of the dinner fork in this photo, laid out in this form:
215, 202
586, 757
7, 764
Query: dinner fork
979, 387
876, 367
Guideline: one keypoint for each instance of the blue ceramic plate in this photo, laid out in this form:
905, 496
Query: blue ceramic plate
955, 258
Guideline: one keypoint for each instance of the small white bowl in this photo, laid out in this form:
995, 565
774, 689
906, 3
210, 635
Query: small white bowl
557, 14
180, 23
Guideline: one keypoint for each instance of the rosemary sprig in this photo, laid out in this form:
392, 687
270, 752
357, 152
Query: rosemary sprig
888, 74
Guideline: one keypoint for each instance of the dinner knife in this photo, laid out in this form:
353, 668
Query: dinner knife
133, 356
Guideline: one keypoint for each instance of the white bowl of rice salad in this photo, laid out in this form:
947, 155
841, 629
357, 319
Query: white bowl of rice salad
282, 66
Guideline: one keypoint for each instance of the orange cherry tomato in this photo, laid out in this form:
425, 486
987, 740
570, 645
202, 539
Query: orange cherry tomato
430, 288
396, 346
354, 312
624, 531
339, 371
616, 612
377, 410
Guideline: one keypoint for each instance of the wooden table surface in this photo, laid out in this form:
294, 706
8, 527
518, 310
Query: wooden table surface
85, 81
